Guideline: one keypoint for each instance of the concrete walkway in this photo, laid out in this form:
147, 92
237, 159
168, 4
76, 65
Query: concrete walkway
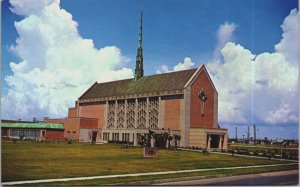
240, 155
136, 174
290, 177
260, 157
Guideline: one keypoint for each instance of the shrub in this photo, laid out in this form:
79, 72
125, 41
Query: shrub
14, 140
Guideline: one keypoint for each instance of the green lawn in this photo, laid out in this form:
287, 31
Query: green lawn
26, 160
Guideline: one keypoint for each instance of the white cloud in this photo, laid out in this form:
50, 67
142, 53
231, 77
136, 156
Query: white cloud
57, 63
289, 44
27, 7
187, 64
233, 80
281, 115
271, 78
224, 35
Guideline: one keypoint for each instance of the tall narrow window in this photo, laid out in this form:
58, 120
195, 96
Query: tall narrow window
68, 135
74, 136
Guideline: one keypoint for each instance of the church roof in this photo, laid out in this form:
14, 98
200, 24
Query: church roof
146, 84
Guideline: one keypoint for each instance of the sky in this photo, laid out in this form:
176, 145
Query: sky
53, 50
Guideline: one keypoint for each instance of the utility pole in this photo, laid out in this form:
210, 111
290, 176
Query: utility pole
254, 133
236, 138
248, 134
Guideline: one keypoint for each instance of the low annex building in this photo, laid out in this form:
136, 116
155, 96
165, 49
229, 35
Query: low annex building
32, 130
184, 103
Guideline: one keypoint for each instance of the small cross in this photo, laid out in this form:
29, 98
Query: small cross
203, 97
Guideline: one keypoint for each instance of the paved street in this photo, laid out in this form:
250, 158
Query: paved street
273, 178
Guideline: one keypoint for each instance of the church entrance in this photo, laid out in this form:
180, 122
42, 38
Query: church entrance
214, 143
94, 137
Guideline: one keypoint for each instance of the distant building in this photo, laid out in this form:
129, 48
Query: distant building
183, 103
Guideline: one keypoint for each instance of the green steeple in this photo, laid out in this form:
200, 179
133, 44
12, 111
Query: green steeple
139, 70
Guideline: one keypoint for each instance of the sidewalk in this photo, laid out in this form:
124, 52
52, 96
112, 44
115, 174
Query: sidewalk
235, 154
135, 174
290, 177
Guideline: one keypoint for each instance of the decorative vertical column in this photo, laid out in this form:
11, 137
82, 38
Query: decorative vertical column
106, 115
220, 141
136, 114
161, 113
135, 141
225, 143
125, 125
147, 112
208, 141
116, 110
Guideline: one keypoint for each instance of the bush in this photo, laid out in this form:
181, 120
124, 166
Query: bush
205, 152
14, 140
255, 153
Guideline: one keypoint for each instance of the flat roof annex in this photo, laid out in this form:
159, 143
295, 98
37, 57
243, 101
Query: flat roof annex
33, 125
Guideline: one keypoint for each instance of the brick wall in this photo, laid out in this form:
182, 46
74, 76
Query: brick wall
54, 134
172, 114
72, 112
93, 111
196, 118
70, 124
88, 123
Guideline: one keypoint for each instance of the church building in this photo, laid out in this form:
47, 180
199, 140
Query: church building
182, 103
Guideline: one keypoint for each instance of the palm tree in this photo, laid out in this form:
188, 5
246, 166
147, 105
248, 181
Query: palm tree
177, 137
170, 138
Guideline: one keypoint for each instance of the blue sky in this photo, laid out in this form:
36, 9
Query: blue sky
172, 31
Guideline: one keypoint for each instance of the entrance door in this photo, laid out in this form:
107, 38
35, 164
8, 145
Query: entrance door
214, 141
43, 135
94, 137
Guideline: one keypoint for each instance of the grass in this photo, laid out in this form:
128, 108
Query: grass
31, 160
146, 180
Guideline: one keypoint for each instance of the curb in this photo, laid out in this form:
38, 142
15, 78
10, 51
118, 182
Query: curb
151, 182
160, 181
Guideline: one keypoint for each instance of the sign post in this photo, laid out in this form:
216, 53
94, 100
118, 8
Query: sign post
150, 152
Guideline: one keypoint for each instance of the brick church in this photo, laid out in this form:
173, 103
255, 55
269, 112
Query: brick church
184, 103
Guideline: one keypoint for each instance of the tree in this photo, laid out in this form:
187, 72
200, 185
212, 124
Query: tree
161, 140
170, 138
177, 137
142, 140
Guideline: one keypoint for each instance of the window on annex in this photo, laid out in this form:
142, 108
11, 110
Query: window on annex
68, 135
74, 136
32, 134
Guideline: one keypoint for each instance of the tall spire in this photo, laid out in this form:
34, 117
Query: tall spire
141, 31
139, 70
